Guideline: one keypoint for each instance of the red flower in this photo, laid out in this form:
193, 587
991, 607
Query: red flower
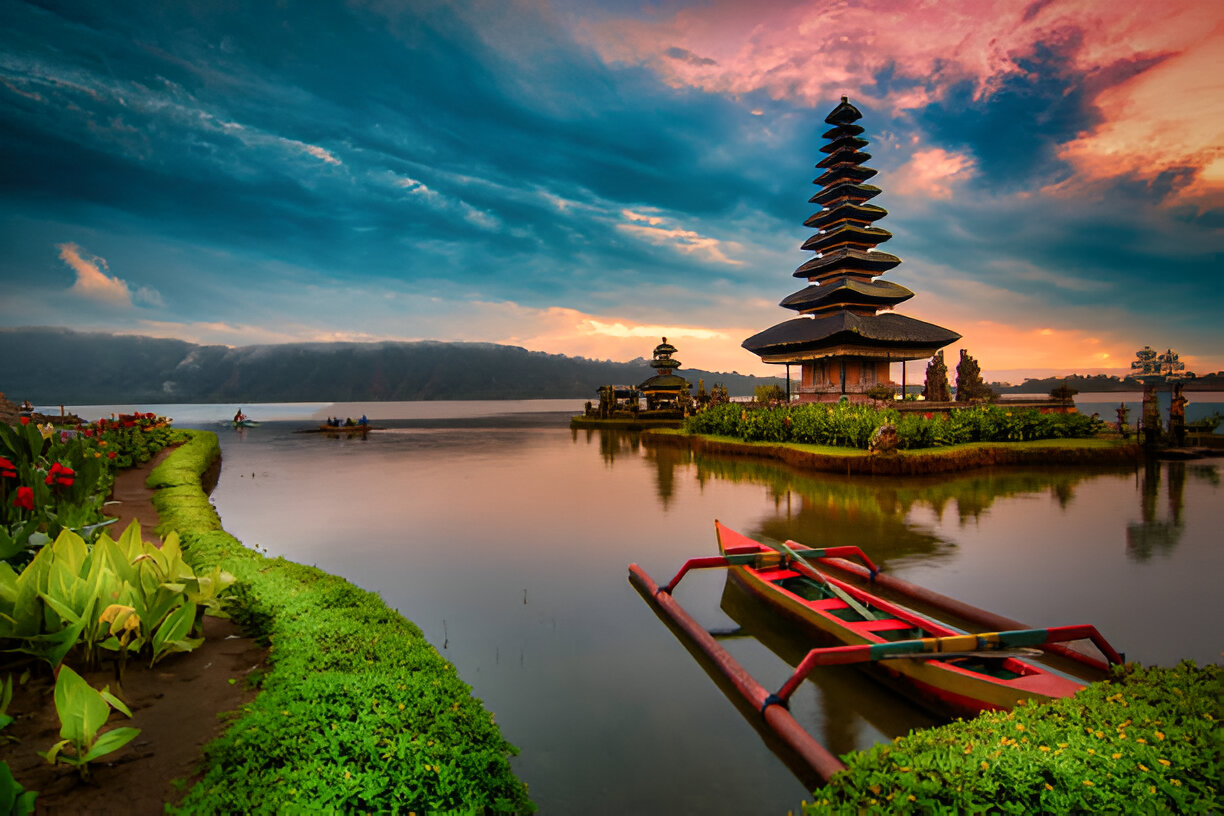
110, 455
25, 420
7, 469
25, 498
928, 415
60, 475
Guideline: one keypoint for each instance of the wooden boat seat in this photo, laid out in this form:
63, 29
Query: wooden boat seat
776, 575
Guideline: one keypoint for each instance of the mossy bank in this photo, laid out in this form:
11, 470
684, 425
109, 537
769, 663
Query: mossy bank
358, 712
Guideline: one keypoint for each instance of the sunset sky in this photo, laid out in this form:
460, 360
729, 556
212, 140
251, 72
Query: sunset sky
583, 177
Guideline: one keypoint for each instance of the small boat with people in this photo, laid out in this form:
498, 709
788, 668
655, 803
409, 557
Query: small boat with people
241, 420
847, 620
336, 427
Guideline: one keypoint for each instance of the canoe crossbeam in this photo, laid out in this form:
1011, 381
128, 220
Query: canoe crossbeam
942, 648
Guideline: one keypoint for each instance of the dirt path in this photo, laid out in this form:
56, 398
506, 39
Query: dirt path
176, 706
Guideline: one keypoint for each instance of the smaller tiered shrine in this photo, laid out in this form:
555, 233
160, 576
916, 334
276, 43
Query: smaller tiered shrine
666, 390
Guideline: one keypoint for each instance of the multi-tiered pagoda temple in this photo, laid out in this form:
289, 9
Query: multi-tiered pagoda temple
666, 390
847, 335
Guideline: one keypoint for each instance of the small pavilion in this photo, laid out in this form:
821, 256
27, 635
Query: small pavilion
666, 390
847, 335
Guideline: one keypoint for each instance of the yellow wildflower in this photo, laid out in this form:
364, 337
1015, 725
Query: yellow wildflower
1164, 762
1115, 756
1159, 735
1089, 782
1142, 767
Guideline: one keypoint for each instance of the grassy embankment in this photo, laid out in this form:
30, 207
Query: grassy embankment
358, 712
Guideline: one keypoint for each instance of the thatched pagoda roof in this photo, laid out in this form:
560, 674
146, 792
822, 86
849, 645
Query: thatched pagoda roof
846, 328
847, 291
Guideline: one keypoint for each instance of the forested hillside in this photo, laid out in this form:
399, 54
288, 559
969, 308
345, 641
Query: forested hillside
53, 365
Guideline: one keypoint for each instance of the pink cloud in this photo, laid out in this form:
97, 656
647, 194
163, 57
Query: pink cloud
92, 281
1154, 74
932, 173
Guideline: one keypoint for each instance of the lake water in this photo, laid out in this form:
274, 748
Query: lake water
506, 536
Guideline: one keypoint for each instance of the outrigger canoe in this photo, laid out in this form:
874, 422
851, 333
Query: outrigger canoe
950, 671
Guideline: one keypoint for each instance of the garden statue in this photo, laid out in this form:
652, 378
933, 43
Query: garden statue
884, 439
1151, 415
936, 388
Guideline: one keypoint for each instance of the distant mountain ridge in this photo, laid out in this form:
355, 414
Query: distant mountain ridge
48, 365
1101, 383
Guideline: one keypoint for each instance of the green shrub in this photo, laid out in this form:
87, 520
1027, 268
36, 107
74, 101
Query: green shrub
1146, 742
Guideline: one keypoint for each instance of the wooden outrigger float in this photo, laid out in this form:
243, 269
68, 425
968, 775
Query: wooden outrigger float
950, 671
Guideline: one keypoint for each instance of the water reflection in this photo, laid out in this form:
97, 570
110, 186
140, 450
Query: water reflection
852, 705
896, 520
1153, 534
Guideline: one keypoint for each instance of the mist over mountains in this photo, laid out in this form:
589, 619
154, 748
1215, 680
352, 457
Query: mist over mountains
55, 365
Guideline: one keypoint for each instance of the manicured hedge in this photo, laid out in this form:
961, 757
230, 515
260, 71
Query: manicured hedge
359, 713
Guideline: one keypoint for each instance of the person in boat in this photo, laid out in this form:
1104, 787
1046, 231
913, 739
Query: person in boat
363, 421
239, 417
27, 408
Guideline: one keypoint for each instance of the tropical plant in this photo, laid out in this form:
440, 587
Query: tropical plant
15, 800
123, 595
83, 710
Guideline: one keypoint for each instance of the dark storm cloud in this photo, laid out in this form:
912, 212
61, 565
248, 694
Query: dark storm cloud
310, 137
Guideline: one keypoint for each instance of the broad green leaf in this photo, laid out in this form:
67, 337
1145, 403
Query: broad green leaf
112, 740
8, 585
51, 647
70, 550
82, 710
53, 752
115, 702
175, 627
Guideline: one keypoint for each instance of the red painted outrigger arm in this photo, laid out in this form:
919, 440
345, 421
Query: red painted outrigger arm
942, 647
776, 716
